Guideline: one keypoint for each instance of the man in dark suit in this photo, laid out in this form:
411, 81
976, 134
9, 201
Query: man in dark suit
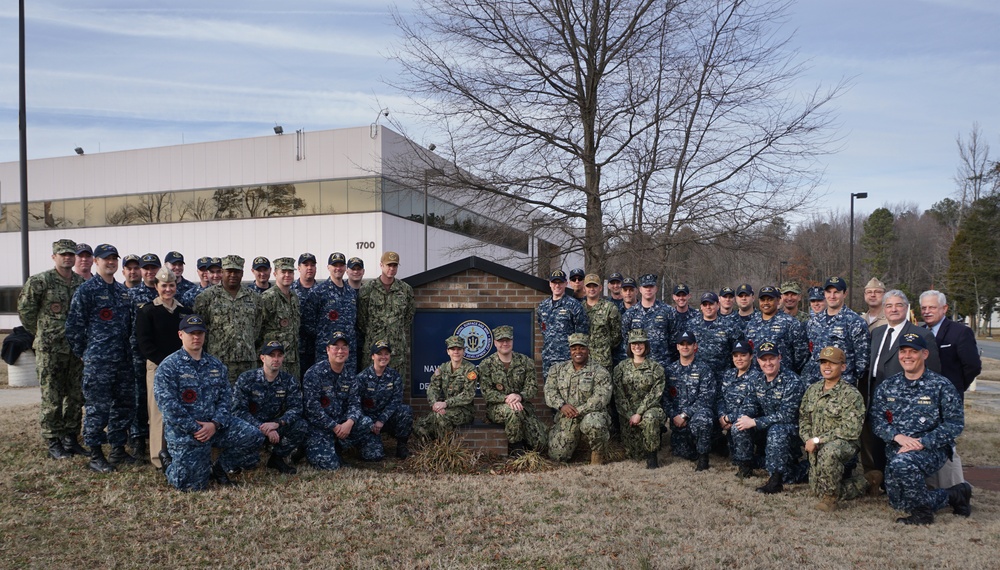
960, 363
884, 362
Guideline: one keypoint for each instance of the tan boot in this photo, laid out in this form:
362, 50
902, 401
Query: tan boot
827, 504
874, 479
596, 458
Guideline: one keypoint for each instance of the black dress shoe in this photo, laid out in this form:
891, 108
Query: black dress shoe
959, 497
165, 459
56, 450
71, 445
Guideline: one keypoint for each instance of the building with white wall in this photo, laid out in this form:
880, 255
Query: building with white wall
277, 195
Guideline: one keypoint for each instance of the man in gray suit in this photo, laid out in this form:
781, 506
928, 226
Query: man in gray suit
884, 362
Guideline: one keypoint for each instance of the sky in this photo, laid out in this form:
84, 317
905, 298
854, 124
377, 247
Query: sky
109, 75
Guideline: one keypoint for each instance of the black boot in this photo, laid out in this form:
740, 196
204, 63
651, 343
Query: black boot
772, 486
298, 455
119, 455
139, 449
516, 450
744, 470
278, 464
959, 497
97, 461
56, 450
702, 462
652, 460
219, 475
919, 516
72, 446
402, 451
165, 459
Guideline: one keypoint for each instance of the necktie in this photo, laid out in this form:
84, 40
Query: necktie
885, 348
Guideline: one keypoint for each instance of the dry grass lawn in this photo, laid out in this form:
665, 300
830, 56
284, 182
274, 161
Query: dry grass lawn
59, 515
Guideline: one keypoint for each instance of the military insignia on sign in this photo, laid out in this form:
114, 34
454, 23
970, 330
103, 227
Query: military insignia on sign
324, 401
55, 307
106, 314
283, 322
333, 315
471, 376
888, 416
189, 396
478, 338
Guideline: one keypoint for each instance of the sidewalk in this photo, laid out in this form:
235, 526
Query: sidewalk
12, 397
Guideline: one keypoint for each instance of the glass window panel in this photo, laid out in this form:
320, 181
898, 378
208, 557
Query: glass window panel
95, 210
74, 213
117, 212
333, 196
363, 195
308, 192
228, 203
195, 205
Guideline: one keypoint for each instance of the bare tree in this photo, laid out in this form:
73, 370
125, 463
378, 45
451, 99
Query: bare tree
619, 117
974, 167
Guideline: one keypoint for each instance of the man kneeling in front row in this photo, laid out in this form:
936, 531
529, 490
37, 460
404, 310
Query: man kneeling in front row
269, 398
192, 390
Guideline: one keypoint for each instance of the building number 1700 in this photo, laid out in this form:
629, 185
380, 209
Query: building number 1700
365, 245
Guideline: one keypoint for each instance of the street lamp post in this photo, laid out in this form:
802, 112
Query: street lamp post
850, 280
781, 271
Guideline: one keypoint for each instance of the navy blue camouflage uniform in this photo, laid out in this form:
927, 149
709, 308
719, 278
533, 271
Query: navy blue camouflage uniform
331, 399
657, 321
690, 390
715, 342
557, 320
731, 399
786, 332
189, 391
191, 294
258, 401
382, 401
330, 308
930, 410
98, 330
847, 331
775, 407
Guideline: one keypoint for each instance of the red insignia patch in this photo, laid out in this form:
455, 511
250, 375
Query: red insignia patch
543, 326
810, 346
333, 315
324, 401
471, 376
253, 408
367, 403
673, 391
189, 396
888, 416
106, 314
750, 343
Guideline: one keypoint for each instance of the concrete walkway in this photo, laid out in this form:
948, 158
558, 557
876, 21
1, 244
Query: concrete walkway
12, 397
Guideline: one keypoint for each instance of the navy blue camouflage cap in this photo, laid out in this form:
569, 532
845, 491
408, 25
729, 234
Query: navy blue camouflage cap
380, 345
577, 274
271, 346
62, 246
307, 258
682, 289
130, 258
557, 276
647, 280
105, 250
727, 291
284, 264
355, 262
741, 346
709, 297
913, 340
744, 288
203, 262
150, 259
454, 341
816, 294
174, 257
84, 248
835, 282
615, 277
338, 335
687, 336
503, 332
628, 282
261, 262
767, 348
335, 258
769, 291
192, 323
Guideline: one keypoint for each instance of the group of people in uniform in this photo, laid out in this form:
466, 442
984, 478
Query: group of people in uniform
276, 366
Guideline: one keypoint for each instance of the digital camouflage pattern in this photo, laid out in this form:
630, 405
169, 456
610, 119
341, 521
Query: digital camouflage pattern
189, 391
835, 416
928, 409
775, 407
715, 342
589, 391
42, 307
457, 389
280, 321
785, 332
557, 320
690, 390
387, 315
331, 308
605, 331
847, 331
257, 401
382, 401
330, 399
638, 389
731, 399
658, 324
234, 325
497, 381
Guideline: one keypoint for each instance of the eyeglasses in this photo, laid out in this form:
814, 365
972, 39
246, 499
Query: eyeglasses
576, 278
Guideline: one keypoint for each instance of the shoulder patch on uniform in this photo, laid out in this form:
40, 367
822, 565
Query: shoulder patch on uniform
471, 376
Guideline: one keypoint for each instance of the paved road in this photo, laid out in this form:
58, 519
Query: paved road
989, 348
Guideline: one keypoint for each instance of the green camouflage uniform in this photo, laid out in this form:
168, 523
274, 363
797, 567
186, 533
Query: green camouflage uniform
589, 391
233, 324
43, 306
280, 320
496, 382
835, 417
456, 388
605, 331
387, 315
638, 390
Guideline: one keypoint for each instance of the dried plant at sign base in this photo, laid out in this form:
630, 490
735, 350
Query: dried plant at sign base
529, 462
445, 455
615, 452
